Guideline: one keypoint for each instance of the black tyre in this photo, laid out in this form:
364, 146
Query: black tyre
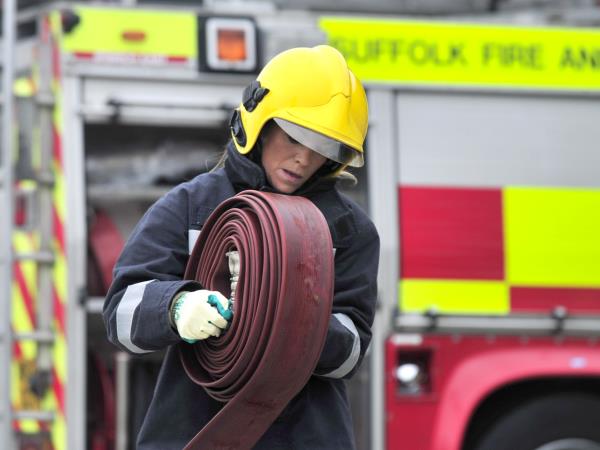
562, 421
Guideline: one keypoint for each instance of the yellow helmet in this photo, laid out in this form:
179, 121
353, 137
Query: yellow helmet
314, 97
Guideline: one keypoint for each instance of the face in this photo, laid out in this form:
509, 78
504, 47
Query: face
287, 163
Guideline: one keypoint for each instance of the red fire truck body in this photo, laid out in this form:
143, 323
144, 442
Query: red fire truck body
483, 183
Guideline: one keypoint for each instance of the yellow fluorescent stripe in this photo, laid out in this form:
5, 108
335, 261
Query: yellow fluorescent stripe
57, 113
552, 236
60, 358
451, 296
60, 364
29, 426
58, 101
59, 276
59, 433
21, 320
49, 402
55, 22
24, 240
59, 195
416, 52
29, 270
22, 324
23, 87
58, 427
28, 185
166, 33
25, 243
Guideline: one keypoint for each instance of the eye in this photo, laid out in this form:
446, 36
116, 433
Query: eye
292, 140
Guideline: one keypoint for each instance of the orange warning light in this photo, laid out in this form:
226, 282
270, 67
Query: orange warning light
231, 44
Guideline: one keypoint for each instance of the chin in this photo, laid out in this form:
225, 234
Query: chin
287, 190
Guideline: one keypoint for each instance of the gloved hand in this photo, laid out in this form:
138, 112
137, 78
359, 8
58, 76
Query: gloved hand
200, 314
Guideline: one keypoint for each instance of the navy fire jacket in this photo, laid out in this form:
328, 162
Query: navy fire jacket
149, 274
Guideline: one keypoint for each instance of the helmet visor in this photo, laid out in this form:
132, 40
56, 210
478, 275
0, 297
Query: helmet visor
324, 145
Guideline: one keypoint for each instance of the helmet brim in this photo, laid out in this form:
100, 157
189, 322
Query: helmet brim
324, 145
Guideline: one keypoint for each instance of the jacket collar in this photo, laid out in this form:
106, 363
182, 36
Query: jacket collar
243, 172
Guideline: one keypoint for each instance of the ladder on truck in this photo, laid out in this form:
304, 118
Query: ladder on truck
42, 256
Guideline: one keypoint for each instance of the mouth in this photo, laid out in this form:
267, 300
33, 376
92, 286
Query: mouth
292, 176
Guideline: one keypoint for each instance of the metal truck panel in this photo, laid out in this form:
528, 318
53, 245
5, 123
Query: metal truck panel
473, 139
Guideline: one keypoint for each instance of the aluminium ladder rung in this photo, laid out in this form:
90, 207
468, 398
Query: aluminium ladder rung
44, 337
45, 99
24, 414
40, 257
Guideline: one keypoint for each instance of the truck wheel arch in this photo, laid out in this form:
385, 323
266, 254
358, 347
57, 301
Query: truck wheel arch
560, 418
507, 371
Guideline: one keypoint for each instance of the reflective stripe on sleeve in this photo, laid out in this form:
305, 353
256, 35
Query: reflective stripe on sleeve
125, 311
192, 238
352, 359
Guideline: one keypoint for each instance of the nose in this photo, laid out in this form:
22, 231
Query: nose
304, 155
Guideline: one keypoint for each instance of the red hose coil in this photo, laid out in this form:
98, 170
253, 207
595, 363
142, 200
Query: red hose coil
281, 311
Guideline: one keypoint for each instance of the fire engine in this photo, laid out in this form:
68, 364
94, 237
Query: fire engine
484, 186
481, 179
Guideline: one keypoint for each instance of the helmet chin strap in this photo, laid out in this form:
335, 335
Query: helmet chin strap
255, 154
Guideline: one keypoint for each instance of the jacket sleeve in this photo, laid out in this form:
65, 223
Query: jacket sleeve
354, 304
147, 276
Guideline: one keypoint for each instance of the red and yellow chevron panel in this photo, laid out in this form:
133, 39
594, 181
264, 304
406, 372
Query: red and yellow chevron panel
493, 251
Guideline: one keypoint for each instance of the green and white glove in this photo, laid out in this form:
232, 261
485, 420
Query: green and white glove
200, 314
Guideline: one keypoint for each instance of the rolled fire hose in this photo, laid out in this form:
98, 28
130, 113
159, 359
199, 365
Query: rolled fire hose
281, 311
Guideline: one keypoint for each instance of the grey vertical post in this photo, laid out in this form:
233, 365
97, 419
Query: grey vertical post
383, 203
45, 309
6, 225
75, 230
122, 395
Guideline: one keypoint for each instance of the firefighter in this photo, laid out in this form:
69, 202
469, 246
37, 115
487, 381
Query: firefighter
298, 127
